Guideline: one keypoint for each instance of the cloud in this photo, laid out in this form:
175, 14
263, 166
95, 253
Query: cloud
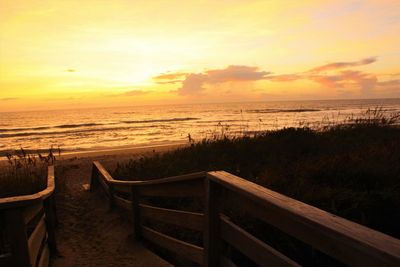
135, 93
390, 83
9, 99
341, 65
70, 70
235, 73
193, 83
170, 78
335, 76
285, 77
364, 81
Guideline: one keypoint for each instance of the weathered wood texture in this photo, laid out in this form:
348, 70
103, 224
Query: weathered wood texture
21, 211
345, 241
35, 241
185, 219
255, 249
189, 251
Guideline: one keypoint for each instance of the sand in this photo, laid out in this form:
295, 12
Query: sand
89, 234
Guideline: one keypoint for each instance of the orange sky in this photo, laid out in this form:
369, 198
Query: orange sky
67, 53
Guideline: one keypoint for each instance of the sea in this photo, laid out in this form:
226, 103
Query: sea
104, 128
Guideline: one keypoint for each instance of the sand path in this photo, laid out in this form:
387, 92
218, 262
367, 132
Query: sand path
89, 234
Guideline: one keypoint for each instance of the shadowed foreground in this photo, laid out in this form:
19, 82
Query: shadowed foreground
88, 233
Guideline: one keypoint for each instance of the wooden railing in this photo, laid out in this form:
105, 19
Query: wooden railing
343, 240
27, 227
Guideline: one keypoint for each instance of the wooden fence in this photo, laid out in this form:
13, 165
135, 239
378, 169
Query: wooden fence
27, 227
343, 240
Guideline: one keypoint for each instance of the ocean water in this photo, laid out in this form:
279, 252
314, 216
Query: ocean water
103, 128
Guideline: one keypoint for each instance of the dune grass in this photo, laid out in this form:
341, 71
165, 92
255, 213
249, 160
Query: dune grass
24, 173
350, 169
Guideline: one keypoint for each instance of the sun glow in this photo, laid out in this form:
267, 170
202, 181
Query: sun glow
64, 50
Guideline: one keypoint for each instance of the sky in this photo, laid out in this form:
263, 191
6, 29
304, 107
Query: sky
95, 53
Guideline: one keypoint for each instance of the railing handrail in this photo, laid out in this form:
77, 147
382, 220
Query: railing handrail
22, 200
36, 212
177, 178
340, 238
360, 237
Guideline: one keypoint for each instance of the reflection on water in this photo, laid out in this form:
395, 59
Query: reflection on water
109, 127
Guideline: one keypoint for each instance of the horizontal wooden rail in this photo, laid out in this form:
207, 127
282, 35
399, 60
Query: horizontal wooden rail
343, 240
255, 249
189, 251
185, 219
36, 211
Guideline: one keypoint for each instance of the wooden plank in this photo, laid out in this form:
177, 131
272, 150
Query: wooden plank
137, 224
102, 171
51, 220
342, 239
35, 241
94, 178
122, 203
190, 220
255, 249
50, 184
31, 211
6, 260
122, 188
45, 257
225, 262
179, 178
186, 250
104, 185
191, 188
212, 241
16, 234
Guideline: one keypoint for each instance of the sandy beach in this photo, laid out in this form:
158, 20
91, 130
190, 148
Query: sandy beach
89, 234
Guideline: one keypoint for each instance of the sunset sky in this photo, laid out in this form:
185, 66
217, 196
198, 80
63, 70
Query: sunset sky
93, 53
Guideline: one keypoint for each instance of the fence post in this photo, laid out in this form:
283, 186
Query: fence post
49, 209
136, 213
111, 195
211, 223
94, 178
16, 233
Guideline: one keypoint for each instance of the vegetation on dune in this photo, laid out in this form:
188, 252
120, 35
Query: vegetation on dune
24, 173
350, 169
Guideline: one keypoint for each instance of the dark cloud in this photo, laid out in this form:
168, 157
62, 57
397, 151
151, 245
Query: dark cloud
341, 65
70, 70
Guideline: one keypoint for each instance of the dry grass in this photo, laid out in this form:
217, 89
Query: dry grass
24, 173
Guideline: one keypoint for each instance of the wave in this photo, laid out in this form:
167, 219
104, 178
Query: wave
74, 132
83, 125
282, 110
161, 120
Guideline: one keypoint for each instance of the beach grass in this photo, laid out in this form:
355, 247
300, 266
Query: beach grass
350, 169
24, 173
